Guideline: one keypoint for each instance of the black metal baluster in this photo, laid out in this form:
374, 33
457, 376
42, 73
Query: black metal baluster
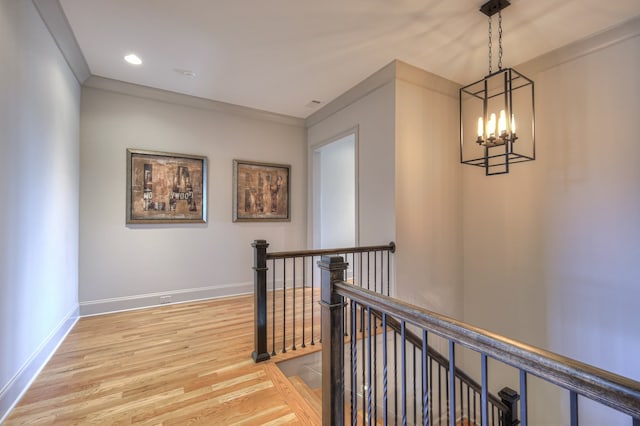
313, 289
415, 405
573, 402
384, 368
354, 365
461, 398
468, 405
344, 319
375, 371
295, 314
368, 270
388, 273
483, 362
360, 281
452, 383
284, 305
375, 273
273, 320
403, 327
425, 385
364, 360
369, 384
448, 395
395, 376
321, 322
304, 298
431, 391
523, 398
440, 392
475, 415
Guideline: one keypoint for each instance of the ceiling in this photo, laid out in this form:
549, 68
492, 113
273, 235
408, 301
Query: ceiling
279, 55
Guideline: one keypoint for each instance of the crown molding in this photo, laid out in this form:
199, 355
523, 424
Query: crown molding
56, 22
394, 70
146, 92
427, 80
376, 80
590, 44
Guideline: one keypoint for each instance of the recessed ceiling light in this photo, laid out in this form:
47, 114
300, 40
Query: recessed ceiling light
133, 59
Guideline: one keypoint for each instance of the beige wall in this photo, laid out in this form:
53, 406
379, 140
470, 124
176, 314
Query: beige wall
552, 250
428, 197
130, 266
39, 172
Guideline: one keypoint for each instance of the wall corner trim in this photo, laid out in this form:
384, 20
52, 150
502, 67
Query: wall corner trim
13, 391
56, 22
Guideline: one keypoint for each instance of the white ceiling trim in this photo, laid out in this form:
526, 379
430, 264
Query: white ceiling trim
131, 89
56, 22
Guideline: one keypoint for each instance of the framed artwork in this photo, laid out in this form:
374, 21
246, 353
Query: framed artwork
261, 191
164, 187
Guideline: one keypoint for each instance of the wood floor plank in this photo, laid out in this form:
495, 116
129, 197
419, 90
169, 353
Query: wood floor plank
178, 364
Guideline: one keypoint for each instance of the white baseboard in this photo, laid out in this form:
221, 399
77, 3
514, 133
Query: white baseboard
140, 301
20, 383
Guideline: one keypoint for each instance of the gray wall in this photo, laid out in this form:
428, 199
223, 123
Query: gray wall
39, 172
125, 267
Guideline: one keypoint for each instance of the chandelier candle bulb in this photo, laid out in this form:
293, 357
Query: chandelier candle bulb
502, 124
513, 125
491, 126
480, 130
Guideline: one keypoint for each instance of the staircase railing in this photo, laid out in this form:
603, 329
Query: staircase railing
581, 380
287, 289
500, 412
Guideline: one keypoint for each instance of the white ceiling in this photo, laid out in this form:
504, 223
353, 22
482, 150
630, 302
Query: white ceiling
278, 55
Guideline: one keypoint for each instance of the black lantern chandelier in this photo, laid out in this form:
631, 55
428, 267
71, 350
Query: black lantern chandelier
489, 109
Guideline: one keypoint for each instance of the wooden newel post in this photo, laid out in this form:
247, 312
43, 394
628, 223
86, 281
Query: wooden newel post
260, 352
332, 271
510, 398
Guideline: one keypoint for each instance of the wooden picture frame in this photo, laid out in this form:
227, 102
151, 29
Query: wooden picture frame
261, 192
165, 187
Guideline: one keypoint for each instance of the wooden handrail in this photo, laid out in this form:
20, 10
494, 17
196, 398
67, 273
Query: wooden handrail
612, 390
323, 252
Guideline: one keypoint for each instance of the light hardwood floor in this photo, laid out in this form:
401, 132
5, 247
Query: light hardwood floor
171, 365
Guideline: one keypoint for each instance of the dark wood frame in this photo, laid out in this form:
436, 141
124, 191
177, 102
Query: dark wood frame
169, 209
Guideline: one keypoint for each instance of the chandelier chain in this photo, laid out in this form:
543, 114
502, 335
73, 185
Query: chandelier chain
490, 45
499, 40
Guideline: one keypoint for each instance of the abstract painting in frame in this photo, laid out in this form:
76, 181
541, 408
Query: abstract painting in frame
165, 187
261, 191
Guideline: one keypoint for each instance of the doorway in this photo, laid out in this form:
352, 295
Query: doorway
335, 193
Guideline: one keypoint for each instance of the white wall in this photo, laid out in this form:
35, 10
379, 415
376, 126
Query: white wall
336, 194
428, 192
552, 250
373, 115
39, 172
130, 266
